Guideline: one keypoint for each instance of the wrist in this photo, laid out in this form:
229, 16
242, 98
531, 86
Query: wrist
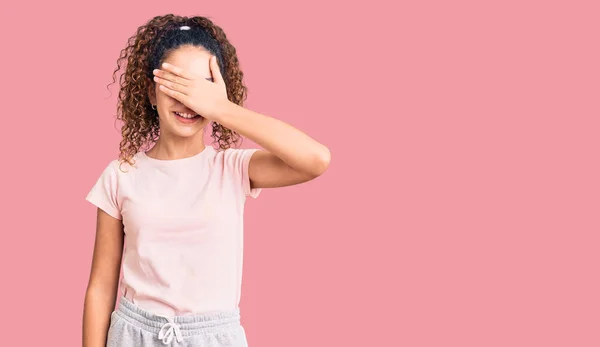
223, 111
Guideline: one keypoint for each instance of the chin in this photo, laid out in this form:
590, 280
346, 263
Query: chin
186, 132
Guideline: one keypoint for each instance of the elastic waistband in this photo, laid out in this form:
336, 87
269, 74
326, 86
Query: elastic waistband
188, 325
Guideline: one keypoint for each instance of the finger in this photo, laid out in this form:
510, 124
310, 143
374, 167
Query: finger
172, 93
171, 85
175, 70
215, 71
171, 77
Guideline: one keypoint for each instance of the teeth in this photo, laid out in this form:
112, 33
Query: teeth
186, 115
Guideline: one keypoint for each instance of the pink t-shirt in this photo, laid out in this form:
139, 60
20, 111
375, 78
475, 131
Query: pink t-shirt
183, 222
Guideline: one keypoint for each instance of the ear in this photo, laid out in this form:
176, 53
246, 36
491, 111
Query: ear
152, 93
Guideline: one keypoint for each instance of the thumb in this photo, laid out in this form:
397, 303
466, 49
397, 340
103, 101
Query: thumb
216, 72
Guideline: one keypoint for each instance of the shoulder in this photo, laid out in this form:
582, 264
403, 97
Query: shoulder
234, 163
234, 156
232, 151
115, 169
121, 166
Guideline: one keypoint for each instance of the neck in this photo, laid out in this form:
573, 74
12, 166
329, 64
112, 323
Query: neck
172, 147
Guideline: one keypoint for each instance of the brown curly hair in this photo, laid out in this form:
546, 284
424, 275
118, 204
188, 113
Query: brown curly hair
145, 51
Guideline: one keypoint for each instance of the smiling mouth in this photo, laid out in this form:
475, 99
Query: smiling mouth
187, 115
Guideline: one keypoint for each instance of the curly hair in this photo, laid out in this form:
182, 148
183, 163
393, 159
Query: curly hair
144, 52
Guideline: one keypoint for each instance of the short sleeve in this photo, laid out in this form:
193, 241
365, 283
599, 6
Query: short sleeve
104, 193
241, 162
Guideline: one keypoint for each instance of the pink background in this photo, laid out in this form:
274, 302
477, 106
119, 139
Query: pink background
460, 209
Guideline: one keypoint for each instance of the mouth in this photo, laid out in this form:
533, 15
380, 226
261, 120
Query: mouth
186, 117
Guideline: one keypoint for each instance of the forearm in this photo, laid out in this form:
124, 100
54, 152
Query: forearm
98, 306
294, 147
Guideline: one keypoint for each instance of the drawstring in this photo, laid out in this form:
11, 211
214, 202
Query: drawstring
168, 330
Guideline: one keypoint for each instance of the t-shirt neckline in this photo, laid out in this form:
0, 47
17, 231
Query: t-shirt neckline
175, 161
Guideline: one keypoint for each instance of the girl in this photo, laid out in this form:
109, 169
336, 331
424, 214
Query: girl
180, 202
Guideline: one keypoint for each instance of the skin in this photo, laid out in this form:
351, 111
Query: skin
101, 293
192, 83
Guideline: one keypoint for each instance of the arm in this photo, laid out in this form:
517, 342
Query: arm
101, 293
289, 156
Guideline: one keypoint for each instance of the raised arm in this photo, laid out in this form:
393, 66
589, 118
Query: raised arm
289, 157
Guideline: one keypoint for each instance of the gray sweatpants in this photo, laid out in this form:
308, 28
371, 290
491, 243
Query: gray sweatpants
130, 326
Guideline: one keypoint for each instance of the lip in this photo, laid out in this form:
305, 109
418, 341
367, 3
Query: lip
186, 120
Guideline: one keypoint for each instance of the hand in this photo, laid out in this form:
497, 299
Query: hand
198, 94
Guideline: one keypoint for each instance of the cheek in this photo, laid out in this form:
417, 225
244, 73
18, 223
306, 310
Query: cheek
164, 105
159, 93
163, 100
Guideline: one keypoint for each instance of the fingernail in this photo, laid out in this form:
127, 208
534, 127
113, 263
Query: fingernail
165, 65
